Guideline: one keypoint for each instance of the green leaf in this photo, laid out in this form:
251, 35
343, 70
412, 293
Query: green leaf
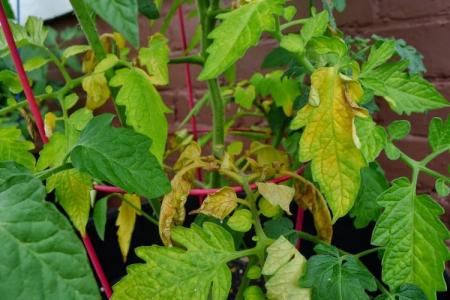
8, 10
121, 15
442, 188
315, 26
70, 100
409, 53
379, 55
289, 12
399, 129
285, 265
281, 226
405, 292
292, 43
119, 156
439, 134
332, 276
43, 257
372, 138
74, 50
34, 63
240, 29
404, 93
413, 237
241, 220
99, 215
144, 107
73, 192
326, 51
373, 184
254, 292
11, 81
198, 271
155, 59
14, 147
149, 8
392, 152
245, 96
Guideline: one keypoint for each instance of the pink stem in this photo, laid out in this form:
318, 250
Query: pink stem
198, 192
97, 266
22, 75
34, 108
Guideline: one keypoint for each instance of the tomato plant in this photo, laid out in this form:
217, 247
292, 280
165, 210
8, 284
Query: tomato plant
315, 147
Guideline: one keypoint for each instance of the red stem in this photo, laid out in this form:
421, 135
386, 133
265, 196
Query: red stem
97, 266
34, 108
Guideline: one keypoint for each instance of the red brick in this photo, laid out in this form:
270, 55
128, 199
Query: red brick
358, 12
408, 9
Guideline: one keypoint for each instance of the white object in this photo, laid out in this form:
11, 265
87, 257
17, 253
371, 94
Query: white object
44, 9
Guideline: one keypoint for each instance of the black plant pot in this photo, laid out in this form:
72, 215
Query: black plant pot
345, 237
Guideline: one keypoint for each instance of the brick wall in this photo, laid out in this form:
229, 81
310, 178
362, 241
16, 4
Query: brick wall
423, 24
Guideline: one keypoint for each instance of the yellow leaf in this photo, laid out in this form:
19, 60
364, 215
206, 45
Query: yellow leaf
219, 204
96, 87
327, 140
73, 192
125, 221
88, 62
269, 161
309, 197
277, 194
49, 123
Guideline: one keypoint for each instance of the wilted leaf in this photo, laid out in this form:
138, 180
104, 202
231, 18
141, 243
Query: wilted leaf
126, 220
14, 147
197, 271
97, 90
172, 208
73, 192
309, 197
219, 204
328, 141
277, 194
285, 265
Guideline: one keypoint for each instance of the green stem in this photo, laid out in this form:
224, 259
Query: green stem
306, 63
207, 23
140, 211
47, 173
245, 280
88, 26
433, 155
58, 64
252, 202
193, 59
292, 23
367, 252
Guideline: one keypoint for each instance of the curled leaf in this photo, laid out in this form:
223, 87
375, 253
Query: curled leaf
309, 197
97, 90
219, 204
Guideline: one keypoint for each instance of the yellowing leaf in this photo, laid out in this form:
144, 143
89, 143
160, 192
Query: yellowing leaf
73, 192
327, 140
219, 204
14, 147
309, 197
277, 194
97, 90
155, 58
125, 221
